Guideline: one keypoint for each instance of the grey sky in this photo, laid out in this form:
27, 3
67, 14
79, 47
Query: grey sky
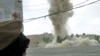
86, 19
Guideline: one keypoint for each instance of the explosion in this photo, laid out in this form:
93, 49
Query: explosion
59, 20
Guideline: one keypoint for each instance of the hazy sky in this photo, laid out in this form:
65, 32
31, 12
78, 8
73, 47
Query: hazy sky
86, 19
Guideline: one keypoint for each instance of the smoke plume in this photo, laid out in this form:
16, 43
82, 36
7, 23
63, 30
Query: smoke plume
59, 20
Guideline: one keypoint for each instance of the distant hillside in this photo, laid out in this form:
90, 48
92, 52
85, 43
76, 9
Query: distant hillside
39, 40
